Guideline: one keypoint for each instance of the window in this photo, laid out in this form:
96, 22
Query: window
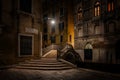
79, 14
45, 18
80, 32
61, 11
110, 5
111, 27
44, 3
53, 29
45, 30
25, 45
53, 39
87, 14
97, 9
86, 29
61, 2
53, 12
61, 26
26, 5
97, 29
61, 38
45, 37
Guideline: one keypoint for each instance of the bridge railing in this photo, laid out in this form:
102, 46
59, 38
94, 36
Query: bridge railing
69, 54
51, 47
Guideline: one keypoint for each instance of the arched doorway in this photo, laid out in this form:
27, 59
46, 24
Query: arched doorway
117, 50
88, 50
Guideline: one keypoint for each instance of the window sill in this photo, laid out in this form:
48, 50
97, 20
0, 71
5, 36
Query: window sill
25, 13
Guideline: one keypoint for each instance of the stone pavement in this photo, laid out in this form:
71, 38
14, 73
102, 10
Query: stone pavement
70, 74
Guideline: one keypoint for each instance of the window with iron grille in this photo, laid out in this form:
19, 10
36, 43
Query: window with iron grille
25, 46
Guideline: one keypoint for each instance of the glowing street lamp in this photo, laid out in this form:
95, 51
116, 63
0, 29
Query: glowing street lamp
52, 21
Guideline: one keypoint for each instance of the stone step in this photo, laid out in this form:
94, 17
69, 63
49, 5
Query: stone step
43, 61
50, 59
44, 68
44, 64
39, 65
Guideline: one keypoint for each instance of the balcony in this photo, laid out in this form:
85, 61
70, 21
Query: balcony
95, 18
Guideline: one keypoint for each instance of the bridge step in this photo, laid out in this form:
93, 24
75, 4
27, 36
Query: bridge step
44, 64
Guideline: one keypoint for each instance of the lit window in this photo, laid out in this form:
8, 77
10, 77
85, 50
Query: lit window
110, 6
79, 14
97, 9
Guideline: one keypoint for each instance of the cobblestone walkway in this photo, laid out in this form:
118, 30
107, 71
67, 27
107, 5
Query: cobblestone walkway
71, 74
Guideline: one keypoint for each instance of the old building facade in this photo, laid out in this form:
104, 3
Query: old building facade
62, 31
20, 28
97, 27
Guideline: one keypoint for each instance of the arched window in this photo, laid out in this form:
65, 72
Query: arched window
97, 9
88, 46
110, 5
80, 32
79, 14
